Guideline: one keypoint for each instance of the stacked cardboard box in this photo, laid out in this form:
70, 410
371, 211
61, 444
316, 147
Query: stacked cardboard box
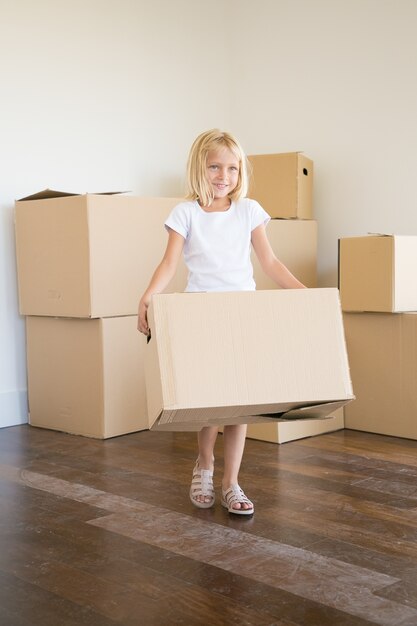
83, 262
283, 185
379, 298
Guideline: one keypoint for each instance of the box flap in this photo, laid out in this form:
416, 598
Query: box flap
46, 194
317, 411
206, 416
312, 412
106, 193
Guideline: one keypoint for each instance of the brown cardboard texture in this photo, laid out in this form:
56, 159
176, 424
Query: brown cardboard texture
382, 350
295, 244
86, 376
243, 357
377, 273
283, 184
89, 255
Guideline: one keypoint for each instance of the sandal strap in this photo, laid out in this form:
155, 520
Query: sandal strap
202, 482
235, 494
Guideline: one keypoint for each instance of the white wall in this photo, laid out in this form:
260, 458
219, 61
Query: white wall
108, 94
337, 80
98, 95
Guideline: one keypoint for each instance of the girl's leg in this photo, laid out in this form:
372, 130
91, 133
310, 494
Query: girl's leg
234, 443
206, 439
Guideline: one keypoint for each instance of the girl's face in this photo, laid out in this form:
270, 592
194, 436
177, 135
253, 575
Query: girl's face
222, 171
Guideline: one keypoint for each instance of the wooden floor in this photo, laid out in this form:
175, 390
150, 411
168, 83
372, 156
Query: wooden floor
100, 533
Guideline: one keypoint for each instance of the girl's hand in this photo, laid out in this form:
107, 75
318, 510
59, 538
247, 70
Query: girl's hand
143, 317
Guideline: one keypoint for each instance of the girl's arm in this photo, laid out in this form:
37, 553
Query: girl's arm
161, 277
272, 267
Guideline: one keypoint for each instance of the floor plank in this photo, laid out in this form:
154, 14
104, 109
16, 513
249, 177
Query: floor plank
102, 532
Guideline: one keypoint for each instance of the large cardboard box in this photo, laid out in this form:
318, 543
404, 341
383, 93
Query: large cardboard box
86, 376
295, 244
283, 184
89, 255
228, 358
377, 273
382, 350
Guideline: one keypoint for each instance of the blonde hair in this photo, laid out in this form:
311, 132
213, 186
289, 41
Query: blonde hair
198, 185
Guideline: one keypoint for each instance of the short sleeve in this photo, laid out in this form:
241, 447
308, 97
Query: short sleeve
179, 219
258, 215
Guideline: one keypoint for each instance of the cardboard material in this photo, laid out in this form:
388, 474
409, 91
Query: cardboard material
89, 255
295, 244
283, 184
85, 376
382, 350
290, 430
377, 273
242, 357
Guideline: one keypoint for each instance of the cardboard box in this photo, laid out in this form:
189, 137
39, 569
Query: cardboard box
295, 244
377, 273
89, 255
382, 350
283, 184
86, 376
243, 357
290, 430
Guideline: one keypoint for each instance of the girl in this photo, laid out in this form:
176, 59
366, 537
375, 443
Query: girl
215, 227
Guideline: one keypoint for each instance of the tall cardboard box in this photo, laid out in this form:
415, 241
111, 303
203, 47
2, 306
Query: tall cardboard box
382, 350
89, 255
242, 357
377, 273
295, 244
86, 376
283, 184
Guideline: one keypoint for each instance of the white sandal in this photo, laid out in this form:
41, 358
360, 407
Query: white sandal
202, 485
233, 495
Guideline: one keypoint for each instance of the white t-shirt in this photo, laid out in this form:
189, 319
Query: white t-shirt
218, 245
